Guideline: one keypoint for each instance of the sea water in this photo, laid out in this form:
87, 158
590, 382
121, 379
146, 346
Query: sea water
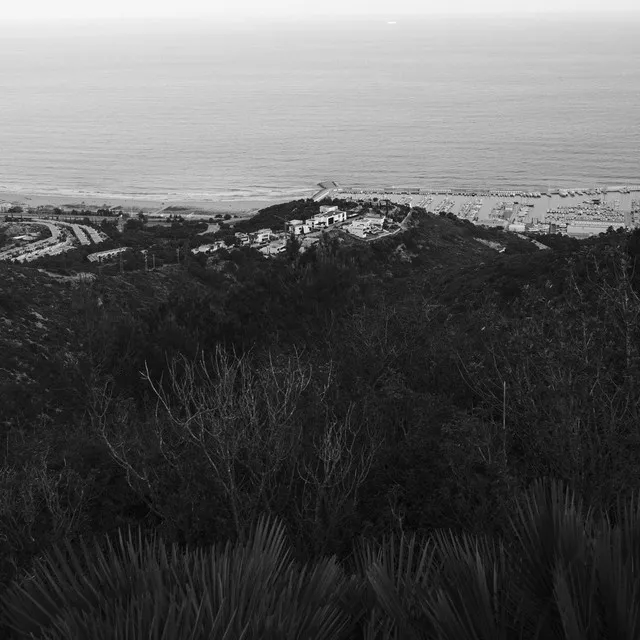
266, 110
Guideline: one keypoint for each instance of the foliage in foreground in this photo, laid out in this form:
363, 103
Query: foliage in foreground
140, 587
561, 572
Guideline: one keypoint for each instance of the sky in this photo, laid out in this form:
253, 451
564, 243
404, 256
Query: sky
38, 10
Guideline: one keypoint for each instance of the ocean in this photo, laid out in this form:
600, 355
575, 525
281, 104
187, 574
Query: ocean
240, 111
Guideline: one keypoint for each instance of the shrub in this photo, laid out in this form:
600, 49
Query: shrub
139, 587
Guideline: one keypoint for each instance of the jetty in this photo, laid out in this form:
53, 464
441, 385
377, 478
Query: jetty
327, 187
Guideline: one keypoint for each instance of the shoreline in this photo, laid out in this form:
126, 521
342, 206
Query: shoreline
238, 207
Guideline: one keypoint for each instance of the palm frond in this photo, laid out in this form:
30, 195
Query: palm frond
399, 572
137, 587
550, 530
472, 599
575, 593
618, 570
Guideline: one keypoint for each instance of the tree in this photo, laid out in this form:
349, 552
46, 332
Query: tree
560, 377
235, 421
133, 225
293, 248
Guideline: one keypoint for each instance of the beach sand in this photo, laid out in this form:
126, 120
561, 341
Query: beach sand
241, 208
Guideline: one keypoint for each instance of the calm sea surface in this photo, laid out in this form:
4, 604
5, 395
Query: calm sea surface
267, 111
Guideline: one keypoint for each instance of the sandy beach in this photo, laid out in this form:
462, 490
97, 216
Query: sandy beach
235, 207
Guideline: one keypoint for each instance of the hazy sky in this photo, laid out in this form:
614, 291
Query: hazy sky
233, 9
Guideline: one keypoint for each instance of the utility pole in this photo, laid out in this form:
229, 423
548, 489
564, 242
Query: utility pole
154, 261
146, 265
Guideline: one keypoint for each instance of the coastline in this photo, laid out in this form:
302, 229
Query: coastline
237, 207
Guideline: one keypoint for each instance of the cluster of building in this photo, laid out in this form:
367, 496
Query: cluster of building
327, 217
63, 236
363, 225
579, 212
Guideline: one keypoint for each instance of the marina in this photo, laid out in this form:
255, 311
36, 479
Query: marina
579, 212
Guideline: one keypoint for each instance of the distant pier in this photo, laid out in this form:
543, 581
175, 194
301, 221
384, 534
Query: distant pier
326, 188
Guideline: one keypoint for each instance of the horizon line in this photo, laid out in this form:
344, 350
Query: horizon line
225, 18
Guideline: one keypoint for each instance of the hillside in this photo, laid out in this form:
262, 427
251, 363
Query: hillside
442, 370
48, 322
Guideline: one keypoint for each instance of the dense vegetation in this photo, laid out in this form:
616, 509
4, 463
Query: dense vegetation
365, 399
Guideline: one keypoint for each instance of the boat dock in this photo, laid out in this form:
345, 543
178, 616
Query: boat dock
580, 211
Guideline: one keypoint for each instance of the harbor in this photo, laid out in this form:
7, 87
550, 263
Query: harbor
577, 212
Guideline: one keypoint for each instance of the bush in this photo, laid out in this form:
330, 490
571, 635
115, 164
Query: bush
136, 586
561, 572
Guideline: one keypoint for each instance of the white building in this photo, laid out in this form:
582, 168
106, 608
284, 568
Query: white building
323, 220
274, 248
374, 220
359, 229
298, 227
261, 236
210, 248
371, 223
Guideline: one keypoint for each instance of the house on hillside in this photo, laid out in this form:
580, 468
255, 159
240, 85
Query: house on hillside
323, 220
374, 220
367, 225
210, 248
262, 236
273, 248
298, 227
359, 229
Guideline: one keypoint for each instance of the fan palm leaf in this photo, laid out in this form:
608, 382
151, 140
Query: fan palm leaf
550, 533
139, 588
618, 568
472, 599
399, 573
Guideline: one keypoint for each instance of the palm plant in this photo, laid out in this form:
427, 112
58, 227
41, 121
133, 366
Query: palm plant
473, 596
139, 588
577, 579
617, 559
553, 553
558, 575
398, 574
